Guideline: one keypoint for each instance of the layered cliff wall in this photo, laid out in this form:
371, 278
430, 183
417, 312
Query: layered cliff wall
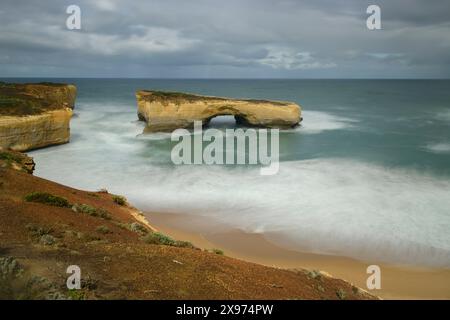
35, 115
166, 111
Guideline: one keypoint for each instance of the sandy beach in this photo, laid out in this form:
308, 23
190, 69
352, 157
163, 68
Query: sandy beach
397, 282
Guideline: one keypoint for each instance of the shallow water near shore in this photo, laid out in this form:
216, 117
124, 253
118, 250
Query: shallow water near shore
366, 175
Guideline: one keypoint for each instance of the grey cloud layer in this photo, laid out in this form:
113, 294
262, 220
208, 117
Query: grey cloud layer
211, 38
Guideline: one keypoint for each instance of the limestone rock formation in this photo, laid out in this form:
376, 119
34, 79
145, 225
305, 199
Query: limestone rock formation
35, 115
166, 111
17, 161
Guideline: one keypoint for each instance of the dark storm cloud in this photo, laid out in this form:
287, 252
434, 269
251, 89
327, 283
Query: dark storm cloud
211, 38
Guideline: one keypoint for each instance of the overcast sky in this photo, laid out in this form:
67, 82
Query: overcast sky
225, 39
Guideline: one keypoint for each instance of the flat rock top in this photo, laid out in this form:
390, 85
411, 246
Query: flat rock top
34, 98
180, 97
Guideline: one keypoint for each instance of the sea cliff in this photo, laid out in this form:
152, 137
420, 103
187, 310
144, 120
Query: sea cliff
35, 115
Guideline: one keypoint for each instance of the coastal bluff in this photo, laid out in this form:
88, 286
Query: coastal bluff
35, 115
167, 111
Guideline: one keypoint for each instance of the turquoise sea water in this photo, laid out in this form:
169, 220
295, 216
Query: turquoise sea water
366, 175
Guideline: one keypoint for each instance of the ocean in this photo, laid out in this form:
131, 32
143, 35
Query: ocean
366, 175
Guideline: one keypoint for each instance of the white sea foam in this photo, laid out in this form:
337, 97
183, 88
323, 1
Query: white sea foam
334, 206
313, 122
318, 121
443, 115
439, 147
329, 206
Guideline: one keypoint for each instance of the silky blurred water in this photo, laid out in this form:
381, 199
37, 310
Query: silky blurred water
366, 175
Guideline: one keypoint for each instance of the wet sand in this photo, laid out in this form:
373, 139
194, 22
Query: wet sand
397, 282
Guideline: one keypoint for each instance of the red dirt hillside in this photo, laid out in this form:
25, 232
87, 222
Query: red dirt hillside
46, 227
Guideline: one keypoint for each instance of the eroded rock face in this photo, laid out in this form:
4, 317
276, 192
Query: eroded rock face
166, 111
16, 160
35, 115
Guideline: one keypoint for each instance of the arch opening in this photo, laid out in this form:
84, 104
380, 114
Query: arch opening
224, 121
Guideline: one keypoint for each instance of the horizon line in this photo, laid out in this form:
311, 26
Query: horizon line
151, 78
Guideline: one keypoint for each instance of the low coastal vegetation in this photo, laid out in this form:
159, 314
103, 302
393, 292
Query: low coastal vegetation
162, 239
138, 228
103, 230
57, 201
120, 200
9, 157
47, 198
31, 99
20, 105
340, 293
17, 284
91, 211
178, 97
217, 251
17, 161
41, 235
151, 237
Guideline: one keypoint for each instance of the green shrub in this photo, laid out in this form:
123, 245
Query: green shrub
183, 244
90, 237
85, 208
340, 293
9, 267
89, 210
121, 225
218, 251
47, 198
162, 239
120, 200
37, 231
104, 214
355, 290
47, 240
159, 238
9, 157
103, 230
138, 228
15, 284
314, 274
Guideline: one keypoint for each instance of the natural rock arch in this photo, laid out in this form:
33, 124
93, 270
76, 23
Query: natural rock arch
166, 111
